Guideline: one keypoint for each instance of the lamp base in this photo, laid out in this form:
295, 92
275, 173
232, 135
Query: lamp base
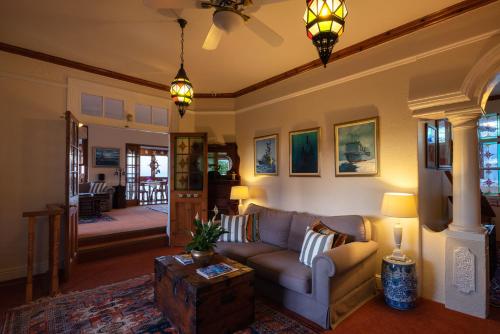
397, 255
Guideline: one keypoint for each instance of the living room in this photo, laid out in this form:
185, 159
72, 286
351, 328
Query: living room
400, 73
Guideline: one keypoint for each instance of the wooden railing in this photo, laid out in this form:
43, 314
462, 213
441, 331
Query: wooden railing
54, 213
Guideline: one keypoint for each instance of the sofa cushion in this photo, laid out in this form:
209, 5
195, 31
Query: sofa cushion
242, 251
315, 243
283, 268
236, 227
274, 225
353, 226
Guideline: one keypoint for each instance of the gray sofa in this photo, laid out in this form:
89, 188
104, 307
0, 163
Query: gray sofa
339, 280
106, 197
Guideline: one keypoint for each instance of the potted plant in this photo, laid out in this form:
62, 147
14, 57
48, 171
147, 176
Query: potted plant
204, 238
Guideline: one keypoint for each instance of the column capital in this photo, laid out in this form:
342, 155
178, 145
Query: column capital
465, 117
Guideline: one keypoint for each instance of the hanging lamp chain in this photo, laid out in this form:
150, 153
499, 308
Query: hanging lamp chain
182, 45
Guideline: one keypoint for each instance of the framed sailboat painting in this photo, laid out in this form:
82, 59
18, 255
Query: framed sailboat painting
266, 155
357, 148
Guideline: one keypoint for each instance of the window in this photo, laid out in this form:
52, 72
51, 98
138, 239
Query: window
99, 106
151, 115
489, 147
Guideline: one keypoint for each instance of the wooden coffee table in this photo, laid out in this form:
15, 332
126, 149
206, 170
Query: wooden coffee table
195, 304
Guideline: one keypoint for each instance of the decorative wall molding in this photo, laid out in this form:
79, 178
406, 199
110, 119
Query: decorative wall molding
450, 98
5, 74
437, 100
400, 31
210, 112
464, 270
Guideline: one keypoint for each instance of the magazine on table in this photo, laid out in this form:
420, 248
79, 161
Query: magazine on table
215, 270
185, 259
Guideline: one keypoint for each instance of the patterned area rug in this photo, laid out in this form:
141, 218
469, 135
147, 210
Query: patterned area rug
495, 284
95, 219
124, 307
163, 208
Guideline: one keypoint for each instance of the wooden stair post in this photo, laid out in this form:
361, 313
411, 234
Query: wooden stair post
54, 213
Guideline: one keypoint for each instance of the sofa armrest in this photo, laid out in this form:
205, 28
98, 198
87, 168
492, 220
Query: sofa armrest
336, 262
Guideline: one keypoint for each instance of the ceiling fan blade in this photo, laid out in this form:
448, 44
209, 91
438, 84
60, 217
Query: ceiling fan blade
263, 31
172, 4
256, 4
213, 38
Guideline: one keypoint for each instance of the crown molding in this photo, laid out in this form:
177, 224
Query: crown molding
416, 104
402, 30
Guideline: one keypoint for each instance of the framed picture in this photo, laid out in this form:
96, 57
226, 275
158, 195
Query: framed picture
444, 144
106, 157
430, 146
357, 148
266, 155
304, 152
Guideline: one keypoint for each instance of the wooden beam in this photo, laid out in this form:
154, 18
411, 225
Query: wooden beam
405, 29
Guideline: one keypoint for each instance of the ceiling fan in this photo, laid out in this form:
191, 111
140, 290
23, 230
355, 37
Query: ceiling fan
228, 16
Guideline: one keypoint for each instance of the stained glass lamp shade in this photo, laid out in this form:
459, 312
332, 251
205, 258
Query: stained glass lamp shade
181, 91
325, 20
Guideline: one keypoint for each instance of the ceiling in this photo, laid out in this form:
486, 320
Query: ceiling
128, 37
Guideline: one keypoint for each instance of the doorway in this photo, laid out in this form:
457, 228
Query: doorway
123, 186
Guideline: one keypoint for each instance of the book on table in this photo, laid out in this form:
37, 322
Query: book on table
215, 270
185, 259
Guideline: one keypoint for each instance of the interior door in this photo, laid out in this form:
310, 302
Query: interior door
132, 168
188, 184
72, 176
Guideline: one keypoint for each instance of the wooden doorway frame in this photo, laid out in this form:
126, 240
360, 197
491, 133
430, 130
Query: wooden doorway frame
72, 177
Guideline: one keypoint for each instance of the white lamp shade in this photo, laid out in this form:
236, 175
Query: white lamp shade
239, 192
399, 205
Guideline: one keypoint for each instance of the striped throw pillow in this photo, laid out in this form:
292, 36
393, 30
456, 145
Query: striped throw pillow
236, 226
314, 244
338, 240
253, 228
98, 187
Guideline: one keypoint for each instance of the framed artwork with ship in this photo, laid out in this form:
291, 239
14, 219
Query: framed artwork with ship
304, 152
266, 155
357, 148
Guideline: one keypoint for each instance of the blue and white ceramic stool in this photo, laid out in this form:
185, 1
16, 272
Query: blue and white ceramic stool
399, 279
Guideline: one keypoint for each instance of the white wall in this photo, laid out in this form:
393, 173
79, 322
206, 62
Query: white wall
33, 100
106, 136
377, 82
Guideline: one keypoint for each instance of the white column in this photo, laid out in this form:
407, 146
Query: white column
466, 192
466, 251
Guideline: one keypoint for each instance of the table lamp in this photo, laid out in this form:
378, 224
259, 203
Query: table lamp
399, 205
239, 193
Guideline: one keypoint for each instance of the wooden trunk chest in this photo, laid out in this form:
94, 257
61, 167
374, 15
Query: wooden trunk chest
195, 304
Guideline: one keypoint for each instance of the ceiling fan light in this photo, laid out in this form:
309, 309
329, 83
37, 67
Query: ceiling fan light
227, 20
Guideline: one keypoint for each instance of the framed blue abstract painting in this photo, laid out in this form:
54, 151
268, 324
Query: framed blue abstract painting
304, 152
357, 148
266, 155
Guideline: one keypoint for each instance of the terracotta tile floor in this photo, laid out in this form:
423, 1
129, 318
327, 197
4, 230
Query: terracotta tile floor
373, 317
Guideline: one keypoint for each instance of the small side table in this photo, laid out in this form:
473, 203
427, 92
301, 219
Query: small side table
119, 198
399, 280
